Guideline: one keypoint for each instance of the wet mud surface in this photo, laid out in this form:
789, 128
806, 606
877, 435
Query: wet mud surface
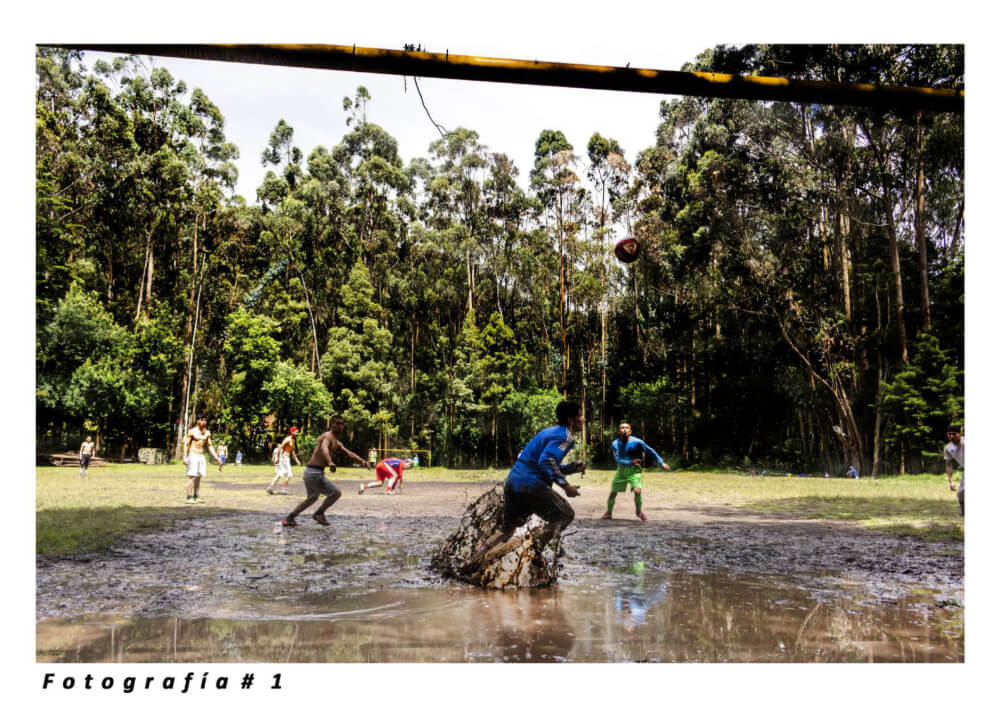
627, 585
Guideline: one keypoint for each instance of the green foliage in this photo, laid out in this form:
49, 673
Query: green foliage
923, 398
295, 395
251, 352
357, 367
436, 303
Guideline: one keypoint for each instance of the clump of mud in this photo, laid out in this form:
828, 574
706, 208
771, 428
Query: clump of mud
516, 563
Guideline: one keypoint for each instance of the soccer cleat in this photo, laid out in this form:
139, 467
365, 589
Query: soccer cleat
199, 500
361, 489
606, 516
321, 519
270, 492
285, 522
641, 515
284, 491
190, 501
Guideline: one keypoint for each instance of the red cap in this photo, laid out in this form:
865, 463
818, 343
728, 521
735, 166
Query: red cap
293, 430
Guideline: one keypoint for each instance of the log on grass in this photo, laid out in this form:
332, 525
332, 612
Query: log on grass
515, 563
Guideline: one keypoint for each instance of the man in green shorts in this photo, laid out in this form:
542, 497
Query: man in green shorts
629, 452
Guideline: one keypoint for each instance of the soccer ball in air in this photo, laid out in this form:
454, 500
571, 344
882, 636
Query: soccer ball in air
627, 250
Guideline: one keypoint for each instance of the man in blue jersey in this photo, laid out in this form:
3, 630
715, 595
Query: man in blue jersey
629, 452
528, 488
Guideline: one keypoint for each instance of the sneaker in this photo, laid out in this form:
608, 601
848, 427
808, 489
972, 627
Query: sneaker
641, 515
284, 491
361, 489
321, 519
199, 500
606, 516
190, 501
285, 522
270, 492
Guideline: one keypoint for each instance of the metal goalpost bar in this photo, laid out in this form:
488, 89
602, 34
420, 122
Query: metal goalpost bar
548, 73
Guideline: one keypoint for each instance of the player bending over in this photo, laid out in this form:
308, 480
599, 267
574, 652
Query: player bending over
283, 456
316, 482
388, 471
629, 451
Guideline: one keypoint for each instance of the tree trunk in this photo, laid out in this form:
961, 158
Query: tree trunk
919, 226
957, 232
185, 381
142, 278
894, 262
314, 362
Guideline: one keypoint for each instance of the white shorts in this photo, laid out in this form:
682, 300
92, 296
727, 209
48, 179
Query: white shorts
196, 465
284, 467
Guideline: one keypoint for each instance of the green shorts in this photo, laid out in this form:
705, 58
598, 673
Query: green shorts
624, 478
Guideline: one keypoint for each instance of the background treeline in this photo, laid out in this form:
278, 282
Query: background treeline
799, 301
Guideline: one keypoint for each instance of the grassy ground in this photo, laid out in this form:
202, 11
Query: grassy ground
73, 515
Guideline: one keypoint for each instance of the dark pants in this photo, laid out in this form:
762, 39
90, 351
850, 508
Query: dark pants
85, 461
518, 506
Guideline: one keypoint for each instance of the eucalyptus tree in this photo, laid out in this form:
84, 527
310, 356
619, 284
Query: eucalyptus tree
554, 181
608, 172
359, 365
377, 181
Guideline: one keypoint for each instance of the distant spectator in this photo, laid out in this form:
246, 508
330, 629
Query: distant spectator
87, 452
955, 451
222, 451
852, 472
239, 459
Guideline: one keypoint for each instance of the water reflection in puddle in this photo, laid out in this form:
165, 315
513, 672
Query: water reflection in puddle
635, 615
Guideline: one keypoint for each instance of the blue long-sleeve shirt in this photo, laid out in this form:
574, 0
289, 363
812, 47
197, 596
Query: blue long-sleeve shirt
539, 465
634, 448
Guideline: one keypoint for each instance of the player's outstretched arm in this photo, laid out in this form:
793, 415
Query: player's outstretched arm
362, 461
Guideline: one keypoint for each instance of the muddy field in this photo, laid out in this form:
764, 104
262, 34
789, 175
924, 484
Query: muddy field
374, 558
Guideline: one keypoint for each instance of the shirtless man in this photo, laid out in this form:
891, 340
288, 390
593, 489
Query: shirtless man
86, 453
223, 452
194, 456
316, 482
283, 467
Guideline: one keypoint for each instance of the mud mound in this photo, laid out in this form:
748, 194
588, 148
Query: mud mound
516, 563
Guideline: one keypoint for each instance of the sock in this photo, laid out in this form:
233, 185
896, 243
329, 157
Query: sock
638, 503
611, 503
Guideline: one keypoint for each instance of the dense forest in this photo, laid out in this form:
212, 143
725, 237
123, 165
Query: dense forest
798, 303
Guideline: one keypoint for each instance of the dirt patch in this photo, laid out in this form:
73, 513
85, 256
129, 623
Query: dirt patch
245, 565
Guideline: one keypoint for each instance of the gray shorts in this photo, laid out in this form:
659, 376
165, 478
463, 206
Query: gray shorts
317, 483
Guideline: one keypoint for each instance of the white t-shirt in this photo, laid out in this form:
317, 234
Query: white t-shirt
956, 452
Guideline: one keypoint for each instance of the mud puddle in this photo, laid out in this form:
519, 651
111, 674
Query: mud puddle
238, 588
655, 618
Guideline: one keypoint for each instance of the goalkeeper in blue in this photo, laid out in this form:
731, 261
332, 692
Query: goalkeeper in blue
629, 452
528, 488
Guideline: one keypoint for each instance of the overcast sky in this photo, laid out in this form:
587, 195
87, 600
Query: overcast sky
508, 117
